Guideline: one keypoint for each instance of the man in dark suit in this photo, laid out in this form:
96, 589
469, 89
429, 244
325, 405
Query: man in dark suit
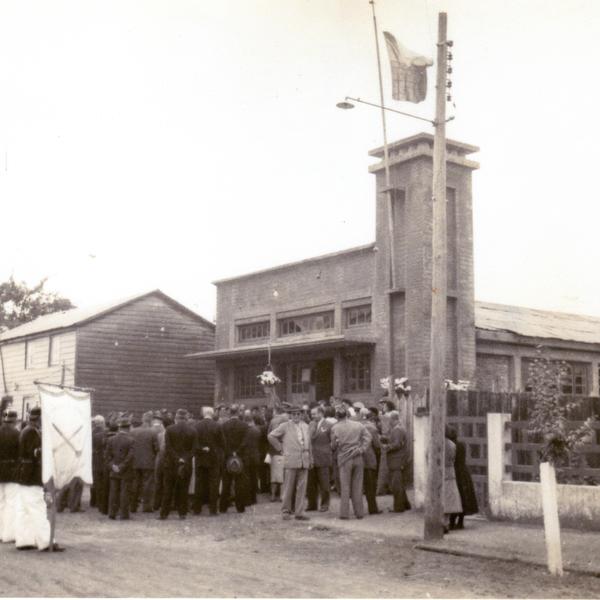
398, 461
119, 458
32, 528
9, 489
209, 454
97, 494
318, 477
252, 455
145, 449
179, 451
234, 432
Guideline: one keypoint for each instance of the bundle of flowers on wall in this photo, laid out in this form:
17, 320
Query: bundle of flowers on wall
268, 378
400, 385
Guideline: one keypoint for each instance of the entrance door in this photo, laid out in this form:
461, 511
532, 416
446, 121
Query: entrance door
324, 379
302, 387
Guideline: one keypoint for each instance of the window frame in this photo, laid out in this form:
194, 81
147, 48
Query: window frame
358, 382
302, 320
365, 309
266, 324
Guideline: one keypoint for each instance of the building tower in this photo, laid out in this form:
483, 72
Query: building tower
404, 312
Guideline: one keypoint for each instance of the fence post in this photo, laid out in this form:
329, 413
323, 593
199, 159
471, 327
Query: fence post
498, 457
420, 444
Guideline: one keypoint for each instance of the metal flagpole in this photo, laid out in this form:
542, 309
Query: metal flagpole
434, 510
390, 214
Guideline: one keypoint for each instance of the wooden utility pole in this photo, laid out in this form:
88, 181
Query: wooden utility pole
434, 509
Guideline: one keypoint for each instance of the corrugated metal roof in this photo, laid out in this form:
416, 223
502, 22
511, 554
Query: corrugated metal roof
76, 316
536, 323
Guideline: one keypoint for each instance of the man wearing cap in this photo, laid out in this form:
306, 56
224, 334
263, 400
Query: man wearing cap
179, 451
9, 459
98, 447
32, 528
145, 449
119, 458
292, 438
351, 440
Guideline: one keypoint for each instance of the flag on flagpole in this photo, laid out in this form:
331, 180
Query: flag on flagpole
66, 435
409, 71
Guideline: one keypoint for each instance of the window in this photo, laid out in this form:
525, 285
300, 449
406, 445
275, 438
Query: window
254, 331
36, 353
246, 382
54, 357
306, 323
358, 315
358, 373
301, 377
575, 382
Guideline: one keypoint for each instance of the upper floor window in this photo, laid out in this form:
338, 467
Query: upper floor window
36, 353
254, 331
54, 357
306, 323
358, 315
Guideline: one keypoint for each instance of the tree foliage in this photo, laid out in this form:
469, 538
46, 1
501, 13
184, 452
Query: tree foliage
20, 303
549, 417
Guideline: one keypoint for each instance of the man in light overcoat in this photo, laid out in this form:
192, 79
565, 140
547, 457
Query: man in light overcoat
292, 438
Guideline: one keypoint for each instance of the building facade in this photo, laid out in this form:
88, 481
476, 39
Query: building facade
335, 325
132, 353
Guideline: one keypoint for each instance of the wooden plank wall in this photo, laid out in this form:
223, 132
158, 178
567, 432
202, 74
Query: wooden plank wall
134, 358
19, 380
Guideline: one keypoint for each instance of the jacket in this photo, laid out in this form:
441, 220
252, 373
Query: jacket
210, 444
30, 456
9, 453
284, 438
320, 439
350, 439
145, 447
252, 450
119, 453
180, 441
234, 432
370, 455
398, 452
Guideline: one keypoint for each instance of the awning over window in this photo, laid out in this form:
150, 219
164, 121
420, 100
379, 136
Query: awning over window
289, 346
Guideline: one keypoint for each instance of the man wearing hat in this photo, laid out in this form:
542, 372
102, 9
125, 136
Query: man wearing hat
292, 438
145, 450
179, 451
119, 458
32, 528
9, 459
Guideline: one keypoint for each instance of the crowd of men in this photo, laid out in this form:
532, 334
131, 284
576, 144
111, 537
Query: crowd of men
295, 455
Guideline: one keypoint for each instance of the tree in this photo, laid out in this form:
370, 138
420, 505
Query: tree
549, 420
20, 303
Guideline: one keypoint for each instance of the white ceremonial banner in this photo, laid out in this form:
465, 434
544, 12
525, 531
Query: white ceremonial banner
66, 435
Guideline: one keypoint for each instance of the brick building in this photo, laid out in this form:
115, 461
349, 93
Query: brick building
334, 325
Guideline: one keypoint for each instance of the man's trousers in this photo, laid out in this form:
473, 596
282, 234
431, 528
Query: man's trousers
119, 497
206, 488
175, 490
351, 483
294, 486
143, 490
240, 483
318, 484
398, 486
370, 483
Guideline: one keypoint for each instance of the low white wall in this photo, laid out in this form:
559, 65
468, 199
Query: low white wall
421, 434
578, 505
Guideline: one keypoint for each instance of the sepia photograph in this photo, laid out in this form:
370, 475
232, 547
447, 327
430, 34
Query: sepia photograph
298, 299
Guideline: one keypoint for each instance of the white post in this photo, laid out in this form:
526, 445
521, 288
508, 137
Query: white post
498, 457
420, 445
551, 522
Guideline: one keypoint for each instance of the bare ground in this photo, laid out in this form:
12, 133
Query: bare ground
259, 555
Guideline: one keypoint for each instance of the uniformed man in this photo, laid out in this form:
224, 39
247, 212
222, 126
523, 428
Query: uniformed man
179, 451
32, 528
9, 458
119, 457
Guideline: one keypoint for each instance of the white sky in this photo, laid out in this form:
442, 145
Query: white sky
179, 142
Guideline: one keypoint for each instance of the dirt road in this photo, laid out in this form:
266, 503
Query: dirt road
258, 555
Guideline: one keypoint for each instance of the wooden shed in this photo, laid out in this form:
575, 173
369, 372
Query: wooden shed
131, 352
